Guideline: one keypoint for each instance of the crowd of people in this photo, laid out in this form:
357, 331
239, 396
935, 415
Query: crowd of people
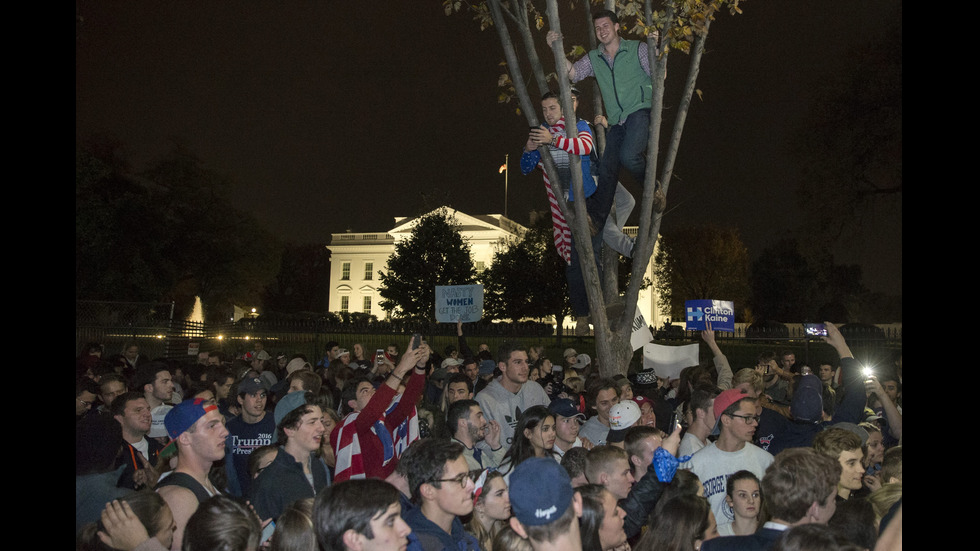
403, 451
481, 451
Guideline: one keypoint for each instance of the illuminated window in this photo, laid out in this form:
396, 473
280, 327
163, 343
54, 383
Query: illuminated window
345, 271
367, 305
369, 271
344, 304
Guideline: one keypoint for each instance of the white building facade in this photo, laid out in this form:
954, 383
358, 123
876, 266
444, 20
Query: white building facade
356, 259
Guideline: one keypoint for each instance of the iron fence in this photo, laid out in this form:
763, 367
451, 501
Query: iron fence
150, 325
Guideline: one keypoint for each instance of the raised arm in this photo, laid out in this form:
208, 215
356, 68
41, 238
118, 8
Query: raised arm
551, 37
724, 381
892, 415
464, 348
835, 339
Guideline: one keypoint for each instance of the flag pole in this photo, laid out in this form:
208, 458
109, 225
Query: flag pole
504, 168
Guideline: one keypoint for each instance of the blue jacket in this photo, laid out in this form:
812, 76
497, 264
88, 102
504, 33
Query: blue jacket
432, 538
777, 433
283, 482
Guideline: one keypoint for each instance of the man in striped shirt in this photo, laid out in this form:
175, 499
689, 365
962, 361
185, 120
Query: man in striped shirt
561, 144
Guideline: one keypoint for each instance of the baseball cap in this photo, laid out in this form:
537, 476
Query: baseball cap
565, 407
807, 403
723, 401
487, 367
296, 364
253, 385
622, 416
450, 361
183, 416
727, 398
288, 403
569, 352
851, 427
641, 399
540, 491
439, 374
581, 361
343, 352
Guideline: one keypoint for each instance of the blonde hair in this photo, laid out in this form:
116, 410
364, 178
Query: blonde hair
884, 498
576, 384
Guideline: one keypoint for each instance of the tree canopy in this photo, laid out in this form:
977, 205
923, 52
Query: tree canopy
527, 278
434, 254
167, 233
791, 283
701, 262
673, 25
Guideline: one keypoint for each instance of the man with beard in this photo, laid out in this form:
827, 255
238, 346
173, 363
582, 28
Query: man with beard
132, 412
469, 426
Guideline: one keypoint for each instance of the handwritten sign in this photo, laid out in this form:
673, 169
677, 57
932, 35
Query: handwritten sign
459, 303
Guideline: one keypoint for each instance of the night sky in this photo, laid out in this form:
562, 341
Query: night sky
332, 119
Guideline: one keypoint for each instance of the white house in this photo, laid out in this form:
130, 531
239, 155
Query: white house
356, 258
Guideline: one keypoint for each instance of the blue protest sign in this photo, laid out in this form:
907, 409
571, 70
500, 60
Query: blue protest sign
721, 314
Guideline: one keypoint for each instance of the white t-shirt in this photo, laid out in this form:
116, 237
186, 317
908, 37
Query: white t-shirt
714, 466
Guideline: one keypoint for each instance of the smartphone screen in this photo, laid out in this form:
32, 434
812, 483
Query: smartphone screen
815, 329
268, 531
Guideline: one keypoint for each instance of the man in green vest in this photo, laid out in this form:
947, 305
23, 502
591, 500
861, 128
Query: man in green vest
622, 69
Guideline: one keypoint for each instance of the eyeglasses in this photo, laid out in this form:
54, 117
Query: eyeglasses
462, 479
749, 419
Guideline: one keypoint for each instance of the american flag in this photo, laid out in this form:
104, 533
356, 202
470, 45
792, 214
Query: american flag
350, 462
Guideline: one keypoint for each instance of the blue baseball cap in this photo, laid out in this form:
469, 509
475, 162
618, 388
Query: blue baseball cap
183, 416
540, 491
487, 367
565, 407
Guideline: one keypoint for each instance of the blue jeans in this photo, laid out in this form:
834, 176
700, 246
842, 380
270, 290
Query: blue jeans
626, 146
576, 280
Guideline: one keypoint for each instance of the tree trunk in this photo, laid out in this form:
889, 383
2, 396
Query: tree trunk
612, 336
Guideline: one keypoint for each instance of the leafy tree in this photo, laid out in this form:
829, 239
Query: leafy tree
302, 284
850, 143
527, 279
674, 26
165, 234
790, 283
434, 254
701, 262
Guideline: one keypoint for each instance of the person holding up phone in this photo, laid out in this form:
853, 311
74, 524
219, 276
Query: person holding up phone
561, 144
379, 423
